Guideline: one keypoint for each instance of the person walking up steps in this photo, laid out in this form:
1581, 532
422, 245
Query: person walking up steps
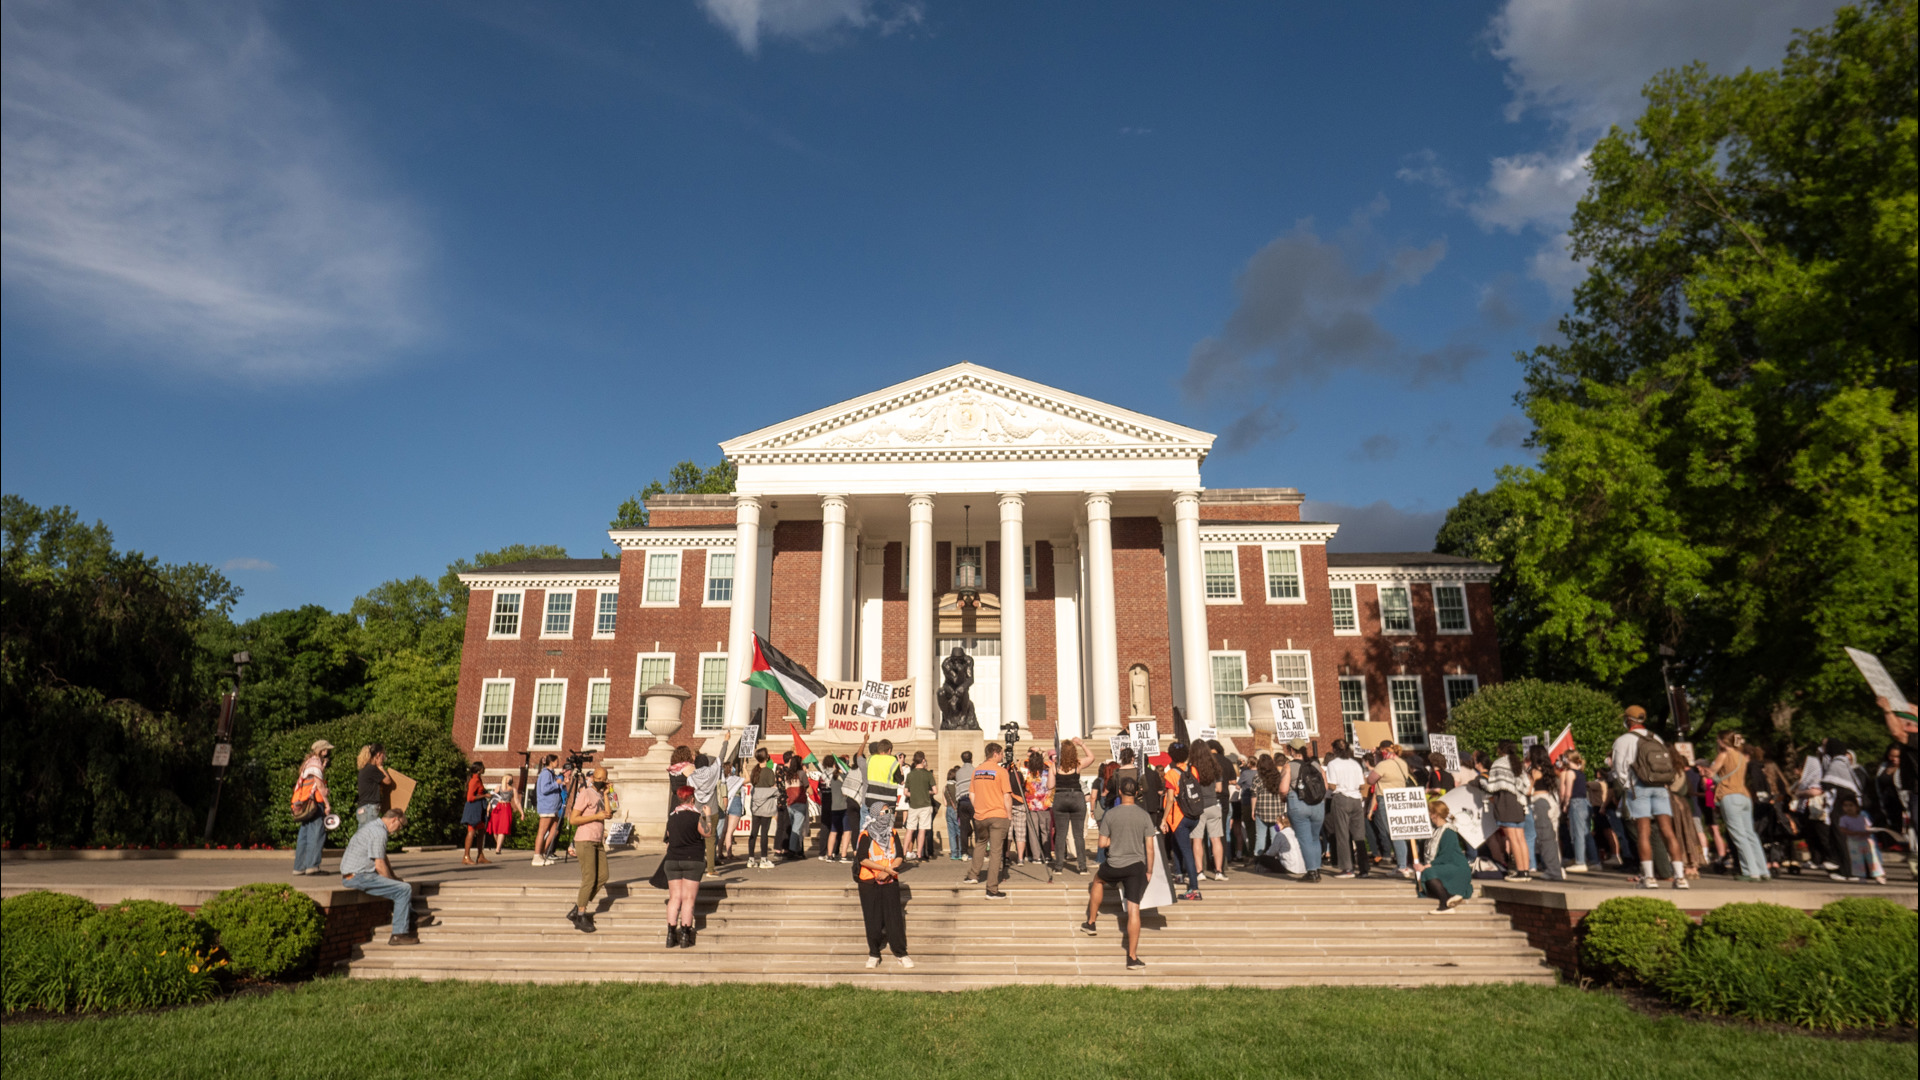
878, 878
1127, 837
992, 792
588, 816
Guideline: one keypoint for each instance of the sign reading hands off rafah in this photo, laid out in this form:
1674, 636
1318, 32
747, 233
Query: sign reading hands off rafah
846, 710
1289, 721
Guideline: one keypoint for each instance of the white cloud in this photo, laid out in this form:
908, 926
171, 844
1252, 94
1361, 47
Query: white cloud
807, 20
173, 193
1581, 64
247, 564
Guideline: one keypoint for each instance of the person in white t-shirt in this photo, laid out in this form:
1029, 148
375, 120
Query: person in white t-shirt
1346, 816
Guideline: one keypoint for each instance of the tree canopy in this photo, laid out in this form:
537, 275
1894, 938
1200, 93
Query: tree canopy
1727, 430
686, 478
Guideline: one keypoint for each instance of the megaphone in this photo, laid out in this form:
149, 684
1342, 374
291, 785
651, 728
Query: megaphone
331, 821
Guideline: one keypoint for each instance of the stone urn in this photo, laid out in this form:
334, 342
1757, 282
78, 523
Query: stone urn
1259, 698
662, 702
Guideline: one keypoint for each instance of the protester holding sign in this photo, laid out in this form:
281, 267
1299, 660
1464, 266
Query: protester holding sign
1390, 773
1448, 877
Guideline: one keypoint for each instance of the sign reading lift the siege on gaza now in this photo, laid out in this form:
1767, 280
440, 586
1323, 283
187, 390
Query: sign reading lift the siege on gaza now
843, 715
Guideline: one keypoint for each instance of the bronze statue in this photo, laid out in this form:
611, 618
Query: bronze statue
956, 697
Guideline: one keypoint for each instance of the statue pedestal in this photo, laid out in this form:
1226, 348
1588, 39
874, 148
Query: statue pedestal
952, 743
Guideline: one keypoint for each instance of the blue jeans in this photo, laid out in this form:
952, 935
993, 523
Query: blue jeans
1263, 834
1736, 813
1183, 850
797, 829
1402, 853
1533, 849
1580, 834
308, 843
401, 893
954, 846
1306, 829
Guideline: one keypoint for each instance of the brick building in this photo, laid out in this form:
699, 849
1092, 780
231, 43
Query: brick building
1111, 586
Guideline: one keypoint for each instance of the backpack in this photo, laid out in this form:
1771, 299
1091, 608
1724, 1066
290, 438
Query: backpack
1757, 782
1187, 795
1653, 762
304, 806
1310, 786
1149, 797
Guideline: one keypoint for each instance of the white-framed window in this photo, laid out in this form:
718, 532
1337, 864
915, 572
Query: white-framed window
1283, 576
549, 707
649, 669
1027, 554
713, 692
719, 579
1409, 715
559, 622
1229, 678
1293, 669
1396, 609
1459, 689
1450, 609
496, 705
1346, 617
599, 693
663, 579
606, 616
965, 560
506, 615
1222, 575
1353, 703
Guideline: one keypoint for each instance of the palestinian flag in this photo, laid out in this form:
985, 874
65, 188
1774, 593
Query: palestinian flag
773, 670
800, 745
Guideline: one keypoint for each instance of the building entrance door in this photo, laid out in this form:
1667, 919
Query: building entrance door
985, 652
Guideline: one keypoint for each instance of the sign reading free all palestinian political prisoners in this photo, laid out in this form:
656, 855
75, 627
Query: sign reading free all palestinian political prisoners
1406, 813
1289, 722
840, 713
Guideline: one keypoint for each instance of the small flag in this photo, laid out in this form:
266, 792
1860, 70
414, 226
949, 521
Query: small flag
800, 745
1562, 743
774, 670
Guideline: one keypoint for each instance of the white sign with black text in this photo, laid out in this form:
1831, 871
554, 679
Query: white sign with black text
874, 696
1289, 720
1446, 746
1406, 813
1146, 738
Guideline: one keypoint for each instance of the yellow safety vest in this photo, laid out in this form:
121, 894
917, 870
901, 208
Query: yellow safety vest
881, 767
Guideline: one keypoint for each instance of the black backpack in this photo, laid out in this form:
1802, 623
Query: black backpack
1148, 798
1310, 786
1188, 794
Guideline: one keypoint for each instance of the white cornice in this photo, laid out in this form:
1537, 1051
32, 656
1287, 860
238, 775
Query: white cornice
483, 580
628, 539
1414, 572
1280, 532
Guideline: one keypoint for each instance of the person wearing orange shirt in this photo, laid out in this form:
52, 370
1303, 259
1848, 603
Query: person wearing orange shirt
991, 790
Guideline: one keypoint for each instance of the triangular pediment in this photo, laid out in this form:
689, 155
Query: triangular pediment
968, 411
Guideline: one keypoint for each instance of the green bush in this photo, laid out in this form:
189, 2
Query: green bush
421, 749
147, 928
51, 910
1632, 940
1762, 926
1826, 985
1512, 710
64, 970
1870, 916
268, 930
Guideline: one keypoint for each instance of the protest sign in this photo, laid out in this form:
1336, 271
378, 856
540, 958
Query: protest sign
1406, 813
1877, 678
840, 714
1368, 734
1528, 742
1446, 746
1685, 750
1289, 720
1469, 808
1146, 738
401, 793
1206, 734
1159, 890
749, 741
1120, 742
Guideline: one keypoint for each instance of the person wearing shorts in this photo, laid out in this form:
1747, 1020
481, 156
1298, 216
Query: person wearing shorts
919, 807
686, 860
1127, 836
1647, 804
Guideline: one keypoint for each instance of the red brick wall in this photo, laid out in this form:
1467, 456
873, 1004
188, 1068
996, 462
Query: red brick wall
1263, 511
1433, 655
1258, 628
1140, 611
667, 519
793, 611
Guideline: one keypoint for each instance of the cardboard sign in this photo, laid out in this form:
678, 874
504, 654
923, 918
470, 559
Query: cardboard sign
1289, 720
847, 712
1446, 746
1368, 734
1685, 750
749, 741
1882, 683
1406, 813
1146, 738
1159, 890
402, 792
1469, 808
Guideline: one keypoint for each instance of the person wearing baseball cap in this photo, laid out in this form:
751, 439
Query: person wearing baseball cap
1644, 766
309, 794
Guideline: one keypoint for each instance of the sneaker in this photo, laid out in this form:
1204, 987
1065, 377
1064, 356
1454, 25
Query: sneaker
906, 961
872, 962
1839, 877
1090, 929
1455, 901
1680, 881
574, 918
1192, 894
1344, 874
1312, 877
996, 894
404, 939
969, 880
1577, 868
1441, 911
1134, 963
1221, 876
1649, 883
1405, 873
1829, 866
1522, 876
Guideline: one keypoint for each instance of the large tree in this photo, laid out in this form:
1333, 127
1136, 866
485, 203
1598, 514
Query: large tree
1727, 433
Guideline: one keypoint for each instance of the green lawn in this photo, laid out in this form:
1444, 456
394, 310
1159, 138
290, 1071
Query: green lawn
340, 1028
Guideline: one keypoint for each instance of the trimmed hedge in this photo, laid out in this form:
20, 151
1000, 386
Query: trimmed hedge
421, 749
1632, 940
1513, 710
147, 927
42, 909
268, 930
138, 954
1825, 985
1872, 916
1762, 926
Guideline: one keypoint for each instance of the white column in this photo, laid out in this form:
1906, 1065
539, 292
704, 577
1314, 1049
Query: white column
1193, 611
920, 610
746, 581
1103, 645
1013, 612
1066, 637
833, 588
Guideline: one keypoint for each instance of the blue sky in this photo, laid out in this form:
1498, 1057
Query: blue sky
327, 294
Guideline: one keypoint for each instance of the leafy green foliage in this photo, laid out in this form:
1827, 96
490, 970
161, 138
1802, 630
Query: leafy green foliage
268, 930
1727, 429
421, 749
1512, 710
686, 478
62, 970
1829, 985
1632, 940
1870, 916
52, 910
147, 927
1762, 926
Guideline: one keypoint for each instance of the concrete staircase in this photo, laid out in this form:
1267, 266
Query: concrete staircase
1249, 931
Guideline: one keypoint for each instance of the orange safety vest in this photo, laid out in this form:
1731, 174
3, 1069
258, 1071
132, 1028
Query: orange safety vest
866, 872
